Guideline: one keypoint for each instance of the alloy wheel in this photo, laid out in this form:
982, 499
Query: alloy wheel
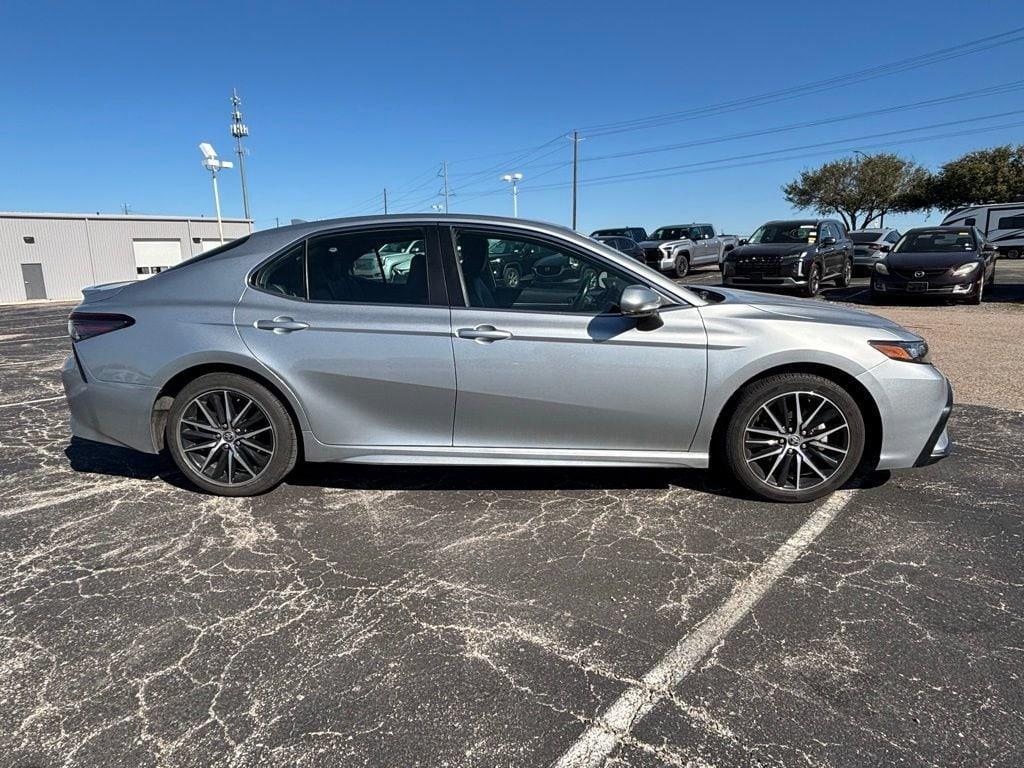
796, 441
510, 276
226, 437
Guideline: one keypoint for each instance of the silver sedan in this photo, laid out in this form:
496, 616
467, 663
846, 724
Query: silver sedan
280, 346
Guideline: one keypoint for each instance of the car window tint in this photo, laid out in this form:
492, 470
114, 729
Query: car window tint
286, 274
373, 267
549, 279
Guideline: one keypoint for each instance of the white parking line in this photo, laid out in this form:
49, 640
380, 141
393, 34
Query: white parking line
599, 740
32, 402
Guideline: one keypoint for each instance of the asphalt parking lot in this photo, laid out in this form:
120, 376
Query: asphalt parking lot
512, 617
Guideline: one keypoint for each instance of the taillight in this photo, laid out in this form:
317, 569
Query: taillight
85, 325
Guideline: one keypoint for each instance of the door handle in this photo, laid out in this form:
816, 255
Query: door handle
281, 324
485, 334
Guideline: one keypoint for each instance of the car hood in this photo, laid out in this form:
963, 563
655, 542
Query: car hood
930, 260
810, 310
658, 243
770, 249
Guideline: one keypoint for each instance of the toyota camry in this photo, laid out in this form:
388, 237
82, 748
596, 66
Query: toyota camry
299, 343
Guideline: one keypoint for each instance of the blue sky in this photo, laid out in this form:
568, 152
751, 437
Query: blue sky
104, 105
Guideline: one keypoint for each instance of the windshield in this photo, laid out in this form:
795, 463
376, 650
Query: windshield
948, 241
865, 237
671, 233
789, 232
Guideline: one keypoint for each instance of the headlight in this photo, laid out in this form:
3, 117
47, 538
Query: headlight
906, 351
793, 256
881, 268
965, 269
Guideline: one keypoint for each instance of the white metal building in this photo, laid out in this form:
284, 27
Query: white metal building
55, 255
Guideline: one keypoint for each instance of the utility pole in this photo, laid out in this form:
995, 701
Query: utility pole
386, 201
240, 130
575, 172
444, 173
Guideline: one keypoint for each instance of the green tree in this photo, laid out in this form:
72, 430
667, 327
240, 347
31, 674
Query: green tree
993, 175
863, 189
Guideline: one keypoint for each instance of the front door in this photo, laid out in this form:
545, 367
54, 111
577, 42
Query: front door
365, 344
35, 286
552, 365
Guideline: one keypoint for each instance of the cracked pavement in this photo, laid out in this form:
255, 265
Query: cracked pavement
486, 617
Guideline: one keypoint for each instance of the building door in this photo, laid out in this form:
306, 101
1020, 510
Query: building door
153, 256
35, 287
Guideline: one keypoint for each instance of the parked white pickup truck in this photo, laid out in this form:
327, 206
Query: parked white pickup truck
679, 247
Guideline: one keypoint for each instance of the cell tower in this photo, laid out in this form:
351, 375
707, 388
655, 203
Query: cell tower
239, 131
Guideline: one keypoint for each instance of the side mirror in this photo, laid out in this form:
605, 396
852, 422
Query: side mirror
885, 247
639, 301
743, 241
828, 241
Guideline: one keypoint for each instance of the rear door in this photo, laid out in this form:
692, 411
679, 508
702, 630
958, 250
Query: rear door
553, 365
366, 350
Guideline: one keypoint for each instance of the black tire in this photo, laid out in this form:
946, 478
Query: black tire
769, 390
843, 281
979, 290
283, 446
682, 265
813, 286
511, 276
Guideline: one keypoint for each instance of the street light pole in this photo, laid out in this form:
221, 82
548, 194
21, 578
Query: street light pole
514, 179
213, 164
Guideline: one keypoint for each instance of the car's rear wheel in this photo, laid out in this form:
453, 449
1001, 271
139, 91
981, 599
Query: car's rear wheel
843, 281
231, 436
682, 265
794, 437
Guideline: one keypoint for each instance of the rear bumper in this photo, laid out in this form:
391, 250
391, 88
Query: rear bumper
109, 412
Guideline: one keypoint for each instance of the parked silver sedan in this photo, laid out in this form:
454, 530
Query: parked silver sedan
275, 347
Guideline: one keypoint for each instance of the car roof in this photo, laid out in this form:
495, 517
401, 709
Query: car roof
941, 228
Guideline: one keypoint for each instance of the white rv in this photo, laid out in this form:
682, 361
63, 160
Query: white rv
1002, 225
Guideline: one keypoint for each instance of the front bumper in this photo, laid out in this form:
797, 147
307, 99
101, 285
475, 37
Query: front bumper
924, 287
939, 446
914, 402
765, 274
109, 412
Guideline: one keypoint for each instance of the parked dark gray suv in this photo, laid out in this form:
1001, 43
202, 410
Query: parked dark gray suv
792, 254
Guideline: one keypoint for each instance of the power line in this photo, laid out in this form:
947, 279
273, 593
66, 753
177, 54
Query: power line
760, 158
771, 97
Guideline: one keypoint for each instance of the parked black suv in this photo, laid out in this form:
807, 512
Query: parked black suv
796, 254
638, 234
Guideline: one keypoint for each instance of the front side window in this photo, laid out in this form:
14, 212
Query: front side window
375, 267
553, 280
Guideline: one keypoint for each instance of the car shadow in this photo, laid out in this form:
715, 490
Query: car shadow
98, 458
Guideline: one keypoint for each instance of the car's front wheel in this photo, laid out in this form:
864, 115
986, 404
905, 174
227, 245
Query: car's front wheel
810, 290
682, 265
794, 437
230, 435
510, 276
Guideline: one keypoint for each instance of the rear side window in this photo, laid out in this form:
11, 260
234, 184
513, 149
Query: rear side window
375, 267
285, 275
